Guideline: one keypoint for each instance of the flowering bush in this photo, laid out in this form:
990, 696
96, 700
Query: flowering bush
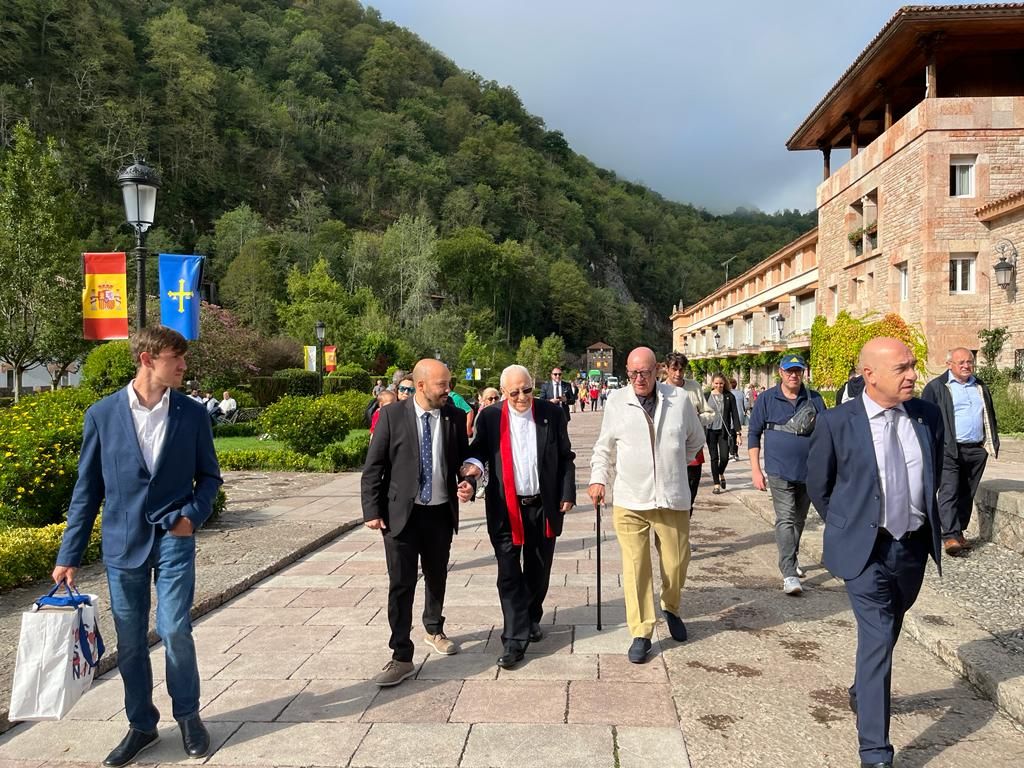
306, 424
27, 554
40, 439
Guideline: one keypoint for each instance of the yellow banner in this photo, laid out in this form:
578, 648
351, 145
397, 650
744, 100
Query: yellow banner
105, 296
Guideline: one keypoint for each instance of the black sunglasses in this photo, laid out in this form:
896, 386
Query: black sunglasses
517, 392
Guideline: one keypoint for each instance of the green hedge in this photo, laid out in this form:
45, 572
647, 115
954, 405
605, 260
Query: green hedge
242, 429
108, 368
350, 453
267, 390
300, 381
27, 554
40, 438
270, 461
356, 377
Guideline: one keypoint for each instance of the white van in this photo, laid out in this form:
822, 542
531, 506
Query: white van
612, 382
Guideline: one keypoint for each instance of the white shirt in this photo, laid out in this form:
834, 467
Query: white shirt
438, 487
150, 424
556, 387
228, 405
911, 453
523, 433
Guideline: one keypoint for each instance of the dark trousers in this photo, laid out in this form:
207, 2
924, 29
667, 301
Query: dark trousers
880, 596
693, 477
959, 484
427, 540
719, 448
524, 574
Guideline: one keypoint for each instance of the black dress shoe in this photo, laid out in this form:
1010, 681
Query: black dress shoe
130, 746
511, 657
638, 650
676, 628
195, 737
536, 633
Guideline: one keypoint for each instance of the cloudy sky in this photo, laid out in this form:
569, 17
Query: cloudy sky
694, 99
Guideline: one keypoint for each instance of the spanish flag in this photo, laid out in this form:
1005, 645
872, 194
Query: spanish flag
105, 296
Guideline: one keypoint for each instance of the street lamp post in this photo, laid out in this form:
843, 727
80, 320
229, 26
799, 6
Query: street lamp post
718, 341
321, 330
780, 323
139, 183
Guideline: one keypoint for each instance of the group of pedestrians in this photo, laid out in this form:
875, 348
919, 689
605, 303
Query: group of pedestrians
887, 472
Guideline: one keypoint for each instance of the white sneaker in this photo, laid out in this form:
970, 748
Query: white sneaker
791, 585
800, 571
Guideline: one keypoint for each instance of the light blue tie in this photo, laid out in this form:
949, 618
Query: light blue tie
897, 480
426, 461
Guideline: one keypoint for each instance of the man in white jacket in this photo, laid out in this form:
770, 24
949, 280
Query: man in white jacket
649, 433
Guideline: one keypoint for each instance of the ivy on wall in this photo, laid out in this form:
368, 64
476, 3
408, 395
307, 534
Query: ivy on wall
835, 348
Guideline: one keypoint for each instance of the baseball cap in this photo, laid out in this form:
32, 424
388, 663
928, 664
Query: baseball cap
792, 361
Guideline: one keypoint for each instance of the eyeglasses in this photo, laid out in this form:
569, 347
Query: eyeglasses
631, 375
793, 372
491, 399
407, 390
556, 373
513, 394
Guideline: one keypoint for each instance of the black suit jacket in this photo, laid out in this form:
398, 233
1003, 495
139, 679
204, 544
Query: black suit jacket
937, 392
547, 391
390, 483
842, 481
556, 468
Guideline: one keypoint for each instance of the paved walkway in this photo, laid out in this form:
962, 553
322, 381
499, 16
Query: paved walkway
287, 668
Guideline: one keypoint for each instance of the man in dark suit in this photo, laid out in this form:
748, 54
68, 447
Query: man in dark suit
873, 474
532, 485
971, 435
562, 393
411, 493
147, 457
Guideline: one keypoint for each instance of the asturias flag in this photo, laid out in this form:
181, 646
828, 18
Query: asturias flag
104, 297
180, 277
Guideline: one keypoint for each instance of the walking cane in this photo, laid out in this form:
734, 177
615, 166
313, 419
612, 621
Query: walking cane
598, 508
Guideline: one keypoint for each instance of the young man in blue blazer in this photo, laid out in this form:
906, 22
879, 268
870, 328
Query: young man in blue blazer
872, 473
148, 458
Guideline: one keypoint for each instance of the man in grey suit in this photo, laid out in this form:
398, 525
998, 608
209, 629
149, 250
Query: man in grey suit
873, 473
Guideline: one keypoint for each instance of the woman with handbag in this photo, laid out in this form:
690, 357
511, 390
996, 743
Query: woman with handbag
723, 432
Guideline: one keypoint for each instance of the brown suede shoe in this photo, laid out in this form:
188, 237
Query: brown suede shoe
953, 547
441, 644
964, 542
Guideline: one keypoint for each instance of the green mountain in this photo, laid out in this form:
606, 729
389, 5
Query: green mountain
289, 131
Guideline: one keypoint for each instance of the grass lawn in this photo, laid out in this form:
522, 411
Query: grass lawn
246, 444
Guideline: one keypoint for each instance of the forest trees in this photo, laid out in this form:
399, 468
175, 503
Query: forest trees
290, 134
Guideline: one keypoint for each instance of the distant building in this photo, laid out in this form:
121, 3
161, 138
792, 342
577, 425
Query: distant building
35, 379
930, 202
600, 357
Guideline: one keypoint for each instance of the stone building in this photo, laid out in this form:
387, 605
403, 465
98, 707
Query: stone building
932, 197
600, 357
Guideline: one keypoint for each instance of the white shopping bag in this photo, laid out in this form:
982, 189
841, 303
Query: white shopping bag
59, 649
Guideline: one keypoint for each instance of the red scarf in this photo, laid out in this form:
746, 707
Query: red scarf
508, 479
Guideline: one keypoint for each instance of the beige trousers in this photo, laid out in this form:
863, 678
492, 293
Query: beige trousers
672, 540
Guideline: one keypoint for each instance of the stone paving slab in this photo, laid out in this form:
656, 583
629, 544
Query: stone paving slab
513, 745
408, 745
291, 744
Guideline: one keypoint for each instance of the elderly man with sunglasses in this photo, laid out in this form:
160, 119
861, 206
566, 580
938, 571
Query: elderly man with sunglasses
649, 433
524, 443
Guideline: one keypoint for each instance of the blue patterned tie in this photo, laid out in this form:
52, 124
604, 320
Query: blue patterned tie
426, 461
897, 481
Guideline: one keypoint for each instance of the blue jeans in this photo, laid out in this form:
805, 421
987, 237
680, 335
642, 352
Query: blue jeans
171, 567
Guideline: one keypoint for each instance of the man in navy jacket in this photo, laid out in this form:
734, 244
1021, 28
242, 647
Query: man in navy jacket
875, 466
148, 458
